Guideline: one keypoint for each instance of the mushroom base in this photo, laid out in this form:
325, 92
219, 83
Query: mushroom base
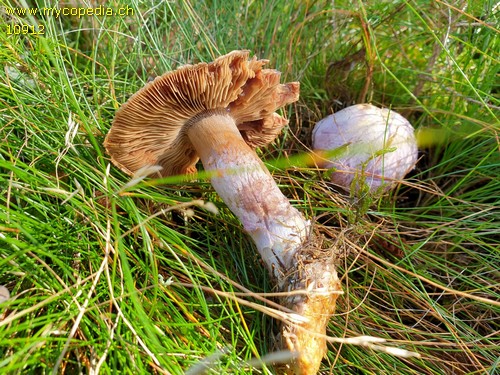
308, 339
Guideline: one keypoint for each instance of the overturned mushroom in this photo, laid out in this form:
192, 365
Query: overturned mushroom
219, 112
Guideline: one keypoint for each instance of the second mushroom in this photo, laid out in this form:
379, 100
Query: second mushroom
220, 112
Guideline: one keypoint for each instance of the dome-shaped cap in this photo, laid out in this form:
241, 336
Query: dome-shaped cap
380, 145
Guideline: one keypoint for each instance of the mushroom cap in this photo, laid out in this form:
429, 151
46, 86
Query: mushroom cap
150, 128
380, 143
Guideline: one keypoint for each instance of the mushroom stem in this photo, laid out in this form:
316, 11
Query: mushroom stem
280, 232
248, 189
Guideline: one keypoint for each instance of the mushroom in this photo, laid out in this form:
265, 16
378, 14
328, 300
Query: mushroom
219, 112
380, 146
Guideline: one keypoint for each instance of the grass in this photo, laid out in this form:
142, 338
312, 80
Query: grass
147, 280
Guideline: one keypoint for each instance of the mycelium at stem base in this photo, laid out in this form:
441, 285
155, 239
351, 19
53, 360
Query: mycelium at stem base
282, 236
313, 271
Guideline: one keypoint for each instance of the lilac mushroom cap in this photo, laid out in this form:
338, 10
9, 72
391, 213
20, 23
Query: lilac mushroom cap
380, 146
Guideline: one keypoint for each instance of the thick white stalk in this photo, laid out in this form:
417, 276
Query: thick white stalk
246, 186
279, 231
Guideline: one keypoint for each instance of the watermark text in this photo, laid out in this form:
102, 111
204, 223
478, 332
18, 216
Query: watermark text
79, 12
57, 12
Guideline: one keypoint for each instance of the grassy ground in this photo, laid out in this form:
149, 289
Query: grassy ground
145, 279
